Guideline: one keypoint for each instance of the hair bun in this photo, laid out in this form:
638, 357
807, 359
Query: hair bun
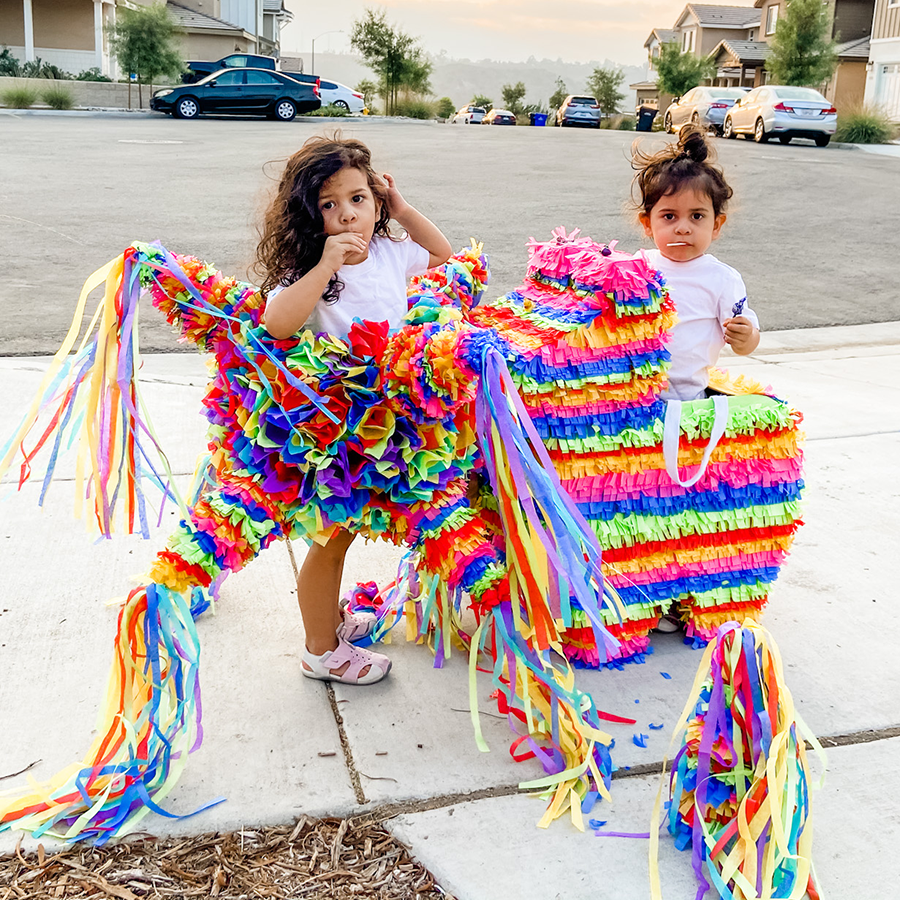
692, 144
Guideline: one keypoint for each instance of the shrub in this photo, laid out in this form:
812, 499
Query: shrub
445, 108
336, 111
58, 98
864, 125
19, 98
414, 108
9, 64
93, 74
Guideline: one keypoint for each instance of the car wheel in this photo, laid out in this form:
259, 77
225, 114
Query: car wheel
667, 125
342, 104
728, 129
187, 108
285, 110
822, 140
784, 138
759, 132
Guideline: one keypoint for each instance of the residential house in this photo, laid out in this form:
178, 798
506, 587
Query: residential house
699, 29
851, 27
883, 76
72, 34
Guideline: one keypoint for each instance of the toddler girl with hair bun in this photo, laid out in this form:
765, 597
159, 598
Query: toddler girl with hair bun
682, 201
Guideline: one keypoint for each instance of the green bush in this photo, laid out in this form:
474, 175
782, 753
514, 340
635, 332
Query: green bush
19, 98
445, 108
58, 98
415, 108
335, 111
625, 123
93, 74
9, 64
864, 125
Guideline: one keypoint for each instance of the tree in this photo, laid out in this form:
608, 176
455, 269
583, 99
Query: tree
802, 53
604, 85
513, 95
145, 41
560, 94
485, 102
396, 57
679, 72
445, 108
368, 89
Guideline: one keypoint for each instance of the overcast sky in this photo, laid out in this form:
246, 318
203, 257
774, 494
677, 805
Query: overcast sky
574, 30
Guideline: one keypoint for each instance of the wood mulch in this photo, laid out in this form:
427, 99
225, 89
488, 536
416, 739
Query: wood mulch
337, 859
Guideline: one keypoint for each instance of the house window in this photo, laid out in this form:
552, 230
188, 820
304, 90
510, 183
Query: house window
771, 19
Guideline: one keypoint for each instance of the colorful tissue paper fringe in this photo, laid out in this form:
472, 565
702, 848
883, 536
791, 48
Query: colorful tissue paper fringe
739, 789
421, 437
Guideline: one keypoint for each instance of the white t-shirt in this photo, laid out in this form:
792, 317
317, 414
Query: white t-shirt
374, 290
706, 292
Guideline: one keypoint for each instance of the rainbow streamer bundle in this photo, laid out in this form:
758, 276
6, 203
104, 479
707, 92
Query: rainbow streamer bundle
587, 333
739, 787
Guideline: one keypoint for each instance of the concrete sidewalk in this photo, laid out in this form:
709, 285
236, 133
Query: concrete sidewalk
273, 740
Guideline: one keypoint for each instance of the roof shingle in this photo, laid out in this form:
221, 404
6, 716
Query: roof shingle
710, 16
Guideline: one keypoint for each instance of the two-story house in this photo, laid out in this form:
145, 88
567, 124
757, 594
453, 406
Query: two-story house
883, 76
71, 34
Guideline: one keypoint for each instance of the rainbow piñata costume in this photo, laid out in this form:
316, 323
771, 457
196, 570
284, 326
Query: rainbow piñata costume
380, 434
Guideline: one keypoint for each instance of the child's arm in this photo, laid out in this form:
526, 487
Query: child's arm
289, 309
420, 229
741, 334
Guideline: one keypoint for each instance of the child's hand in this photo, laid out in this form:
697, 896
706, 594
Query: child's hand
741, 334
340, 247
396, 204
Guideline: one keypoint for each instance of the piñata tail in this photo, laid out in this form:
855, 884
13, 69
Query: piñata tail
739, 788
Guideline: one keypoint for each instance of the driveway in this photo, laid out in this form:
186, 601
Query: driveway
815, 232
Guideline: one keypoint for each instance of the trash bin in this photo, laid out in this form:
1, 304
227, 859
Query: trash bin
538, 118
646, 115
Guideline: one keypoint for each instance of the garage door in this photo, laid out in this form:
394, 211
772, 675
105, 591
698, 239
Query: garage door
889, 89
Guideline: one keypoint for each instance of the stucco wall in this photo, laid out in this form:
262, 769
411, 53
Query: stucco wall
63, 24
12, 24
213, 46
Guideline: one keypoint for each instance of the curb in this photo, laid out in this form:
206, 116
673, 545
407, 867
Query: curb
147, 113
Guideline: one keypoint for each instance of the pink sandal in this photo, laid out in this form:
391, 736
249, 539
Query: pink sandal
323, 667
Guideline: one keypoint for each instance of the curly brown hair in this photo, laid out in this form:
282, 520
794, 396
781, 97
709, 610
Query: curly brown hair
689, 163
292, 234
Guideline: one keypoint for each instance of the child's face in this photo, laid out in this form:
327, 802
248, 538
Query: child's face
347, 204
683, 224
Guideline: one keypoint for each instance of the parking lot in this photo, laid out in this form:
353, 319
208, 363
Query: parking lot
813, 231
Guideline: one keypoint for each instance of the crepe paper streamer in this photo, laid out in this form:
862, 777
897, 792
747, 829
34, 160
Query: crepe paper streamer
597, 823
739, 787
640, 740
666, 675
656, 727
638, 835
738, 307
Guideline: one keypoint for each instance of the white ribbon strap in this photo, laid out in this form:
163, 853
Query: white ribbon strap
672, 435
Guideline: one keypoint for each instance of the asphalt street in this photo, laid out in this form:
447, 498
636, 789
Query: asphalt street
815, 232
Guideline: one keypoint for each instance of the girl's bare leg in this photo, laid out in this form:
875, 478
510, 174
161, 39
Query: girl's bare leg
318, 593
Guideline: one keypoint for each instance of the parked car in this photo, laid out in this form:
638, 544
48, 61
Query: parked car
499, 117
239, 91
579, 110
703, 106
198, 68
784, 112
469, 115
334, 93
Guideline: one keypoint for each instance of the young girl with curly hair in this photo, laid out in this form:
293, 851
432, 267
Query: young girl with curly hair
681, 206
328, 259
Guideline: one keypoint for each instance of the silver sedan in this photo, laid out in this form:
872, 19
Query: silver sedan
782, 111
703, 106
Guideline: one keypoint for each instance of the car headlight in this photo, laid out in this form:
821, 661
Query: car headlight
163, 93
